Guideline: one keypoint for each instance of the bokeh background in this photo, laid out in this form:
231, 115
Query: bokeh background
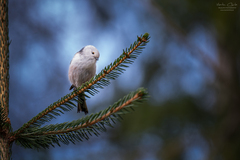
190, 66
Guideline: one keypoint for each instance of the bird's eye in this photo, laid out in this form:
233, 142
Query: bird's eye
92, 52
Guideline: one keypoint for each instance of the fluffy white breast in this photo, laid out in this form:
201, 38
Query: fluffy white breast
83, 65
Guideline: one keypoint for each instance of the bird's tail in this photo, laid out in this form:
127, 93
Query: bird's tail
82, 106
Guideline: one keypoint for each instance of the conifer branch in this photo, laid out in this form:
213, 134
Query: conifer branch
82, 128
112, 71
136, 96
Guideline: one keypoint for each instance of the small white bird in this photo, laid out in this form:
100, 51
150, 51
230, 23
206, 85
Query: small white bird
82, 68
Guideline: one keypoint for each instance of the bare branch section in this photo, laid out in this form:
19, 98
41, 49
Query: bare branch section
4, 78
4, 58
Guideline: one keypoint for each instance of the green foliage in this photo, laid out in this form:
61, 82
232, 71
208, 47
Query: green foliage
116, 68
80, 129
33, 135
110, 72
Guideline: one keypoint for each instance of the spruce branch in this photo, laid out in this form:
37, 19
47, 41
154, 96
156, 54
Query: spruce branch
110, 72
80, 129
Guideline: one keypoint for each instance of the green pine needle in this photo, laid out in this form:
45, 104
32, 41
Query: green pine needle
81, 129
91, 87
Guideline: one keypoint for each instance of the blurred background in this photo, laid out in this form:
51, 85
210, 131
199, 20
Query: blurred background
190, 66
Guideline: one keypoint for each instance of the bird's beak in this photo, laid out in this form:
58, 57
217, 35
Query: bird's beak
96, 58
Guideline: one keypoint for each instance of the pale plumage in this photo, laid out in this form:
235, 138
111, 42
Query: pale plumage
82, 68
